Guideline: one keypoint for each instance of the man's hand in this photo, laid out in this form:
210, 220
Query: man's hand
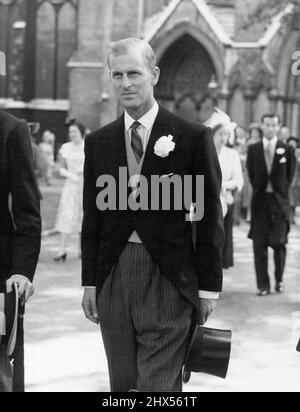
89, 305
24, 286
206, 308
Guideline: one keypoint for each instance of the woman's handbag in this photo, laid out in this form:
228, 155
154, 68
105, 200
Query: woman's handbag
9, 307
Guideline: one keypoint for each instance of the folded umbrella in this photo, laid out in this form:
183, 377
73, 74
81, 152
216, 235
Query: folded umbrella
9, 307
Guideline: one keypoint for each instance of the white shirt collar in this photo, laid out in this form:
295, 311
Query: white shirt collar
273, 142
147, 121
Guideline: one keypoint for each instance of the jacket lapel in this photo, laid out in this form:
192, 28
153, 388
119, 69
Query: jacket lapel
277, 156
263, 158
163, 126
115, 151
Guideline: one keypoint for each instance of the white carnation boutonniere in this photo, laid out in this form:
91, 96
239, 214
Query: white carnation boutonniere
164, 146
280, 151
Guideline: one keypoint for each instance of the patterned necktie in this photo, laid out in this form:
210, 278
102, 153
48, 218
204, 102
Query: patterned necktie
136, 142
269, 157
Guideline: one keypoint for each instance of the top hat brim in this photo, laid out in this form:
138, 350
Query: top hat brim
208, 353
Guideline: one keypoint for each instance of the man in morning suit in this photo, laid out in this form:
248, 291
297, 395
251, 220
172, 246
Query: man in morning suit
271, 166
144, 280
20, 223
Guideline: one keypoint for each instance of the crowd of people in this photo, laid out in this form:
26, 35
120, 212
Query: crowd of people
150, 276
240, 167
264, 192
243, 140
232, 143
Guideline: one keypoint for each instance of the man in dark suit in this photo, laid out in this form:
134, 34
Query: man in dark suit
271, 167
20, 223
145, 281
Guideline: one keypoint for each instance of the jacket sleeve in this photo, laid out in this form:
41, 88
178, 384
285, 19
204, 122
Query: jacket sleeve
92, 222
210, 230
250, 165
25, 198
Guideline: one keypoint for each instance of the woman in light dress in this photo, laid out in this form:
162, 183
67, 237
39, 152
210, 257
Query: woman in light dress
70, 214
232, 183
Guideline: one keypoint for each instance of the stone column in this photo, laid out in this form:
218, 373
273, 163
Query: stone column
290, 106
123, 20
274, 98
126, 19
89, 61
249, 99
224, 96
280, 107
295, 119
298, 131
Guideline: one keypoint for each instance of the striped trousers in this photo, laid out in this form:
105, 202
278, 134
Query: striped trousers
146, 325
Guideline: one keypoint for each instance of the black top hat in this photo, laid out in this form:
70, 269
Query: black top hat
9, 308
209, 353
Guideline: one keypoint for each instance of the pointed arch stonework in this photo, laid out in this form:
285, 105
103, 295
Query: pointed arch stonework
165, 40
186, 71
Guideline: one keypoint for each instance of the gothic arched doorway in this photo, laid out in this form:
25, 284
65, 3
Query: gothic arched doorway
186, 71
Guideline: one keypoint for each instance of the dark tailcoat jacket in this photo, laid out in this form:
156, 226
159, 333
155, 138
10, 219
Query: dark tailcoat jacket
20, 223
167, 235
281, 177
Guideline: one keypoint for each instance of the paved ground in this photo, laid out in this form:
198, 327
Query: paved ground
65, 353
50, 201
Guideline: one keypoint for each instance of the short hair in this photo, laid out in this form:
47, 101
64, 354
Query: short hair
81, 127
257, 128
270, 116
122, 47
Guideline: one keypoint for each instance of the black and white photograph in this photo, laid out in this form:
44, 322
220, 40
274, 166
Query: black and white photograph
149, 198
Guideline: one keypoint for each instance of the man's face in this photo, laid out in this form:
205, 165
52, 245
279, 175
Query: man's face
271, 127
133, 81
